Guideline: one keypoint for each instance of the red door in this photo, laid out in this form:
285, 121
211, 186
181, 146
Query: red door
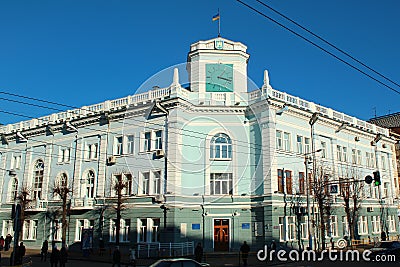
221, 235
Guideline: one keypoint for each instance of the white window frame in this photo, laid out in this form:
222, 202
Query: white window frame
145, 188
158, 142
286, 141
363, 225
29, 231
300, 145
218, 181
157, 182
221, 150
392, 223
130, 144
323, 149
376, 224
13, 189
8, 227
124, 232
304, 227
307, 145
279, 140
80, 225
345, 227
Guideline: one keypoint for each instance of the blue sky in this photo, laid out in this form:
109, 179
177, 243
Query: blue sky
84, 52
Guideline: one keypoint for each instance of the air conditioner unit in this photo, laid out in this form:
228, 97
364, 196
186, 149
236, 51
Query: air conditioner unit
112, 160
370, 209
159, 153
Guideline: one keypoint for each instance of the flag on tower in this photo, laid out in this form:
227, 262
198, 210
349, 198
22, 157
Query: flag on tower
216, 17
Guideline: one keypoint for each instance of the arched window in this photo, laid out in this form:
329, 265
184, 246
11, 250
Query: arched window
13, 190
221, 147
90, 184
38, 179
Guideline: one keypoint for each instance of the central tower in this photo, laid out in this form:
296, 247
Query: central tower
217, 66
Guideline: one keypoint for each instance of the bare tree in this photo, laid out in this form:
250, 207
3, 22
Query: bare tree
351, 191
324, 199
23, 198
119, 184
62, 191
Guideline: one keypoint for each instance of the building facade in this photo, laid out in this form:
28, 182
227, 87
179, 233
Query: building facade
209, 162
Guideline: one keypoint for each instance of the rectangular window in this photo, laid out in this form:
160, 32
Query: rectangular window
145, 183
64, 155
286, 141
8, 227
307, 146
15, 162
221, 184
147, 142
300, 144
148, 230
123, 232
362, 225
281, 229
339, 153
119, 145
280, 181
359, 157
30, 230
157, 182
56, 230
304, 228
353, 156
130, 144
158, 144
345, 226
291, 223
288, 177
334, 226
301, 183
94, 150
323, 150
376, 224
392, 223
80, 225
279, 143
386, 190
383, 160
344, 154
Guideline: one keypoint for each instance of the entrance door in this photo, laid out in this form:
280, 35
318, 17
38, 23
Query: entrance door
221, 235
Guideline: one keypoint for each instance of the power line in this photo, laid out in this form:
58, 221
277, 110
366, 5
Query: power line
318, 46
328, 43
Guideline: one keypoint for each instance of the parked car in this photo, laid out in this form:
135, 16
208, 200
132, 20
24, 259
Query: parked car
180, 262
386, 248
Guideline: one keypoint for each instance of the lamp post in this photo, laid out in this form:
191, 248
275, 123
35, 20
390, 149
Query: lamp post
312, 121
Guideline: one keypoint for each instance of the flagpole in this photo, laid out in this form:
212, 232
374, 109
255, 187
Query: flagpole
219, 24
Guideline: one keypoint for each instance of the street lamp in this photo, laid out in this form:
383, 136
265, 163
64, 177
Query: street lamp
312, 121
308, 198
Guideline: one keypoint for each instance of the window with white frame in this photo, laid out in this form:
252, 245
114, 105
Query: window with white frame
279, 143
344, 154
290, 228
123, 232
376, 224
130, 144
145, 183
126, 181
60, 182
56, 230
353, 156
148, 230
304, 228
383, 162
147, 141
339, 153
392, 223
157, 182
221, 184
38, 179
386, 192
345, 226
158, 141
64, 154
80, 225
221, 147
334, 226
7, 227
359, 157
286, 141
307, 146
119, 145
300, 144
15, 162
29, 231
323, 149
91, 151
90, 184
13, 189
362, 225
369, 157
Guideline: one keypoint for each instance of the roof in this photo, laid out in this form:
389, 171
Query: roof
387, 121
